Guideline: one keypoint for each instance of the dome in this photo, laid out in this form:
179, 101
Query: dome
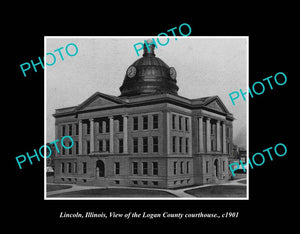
149, 75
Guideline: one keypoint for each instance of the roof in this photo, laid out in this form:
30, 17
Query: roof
101, 101
149, 75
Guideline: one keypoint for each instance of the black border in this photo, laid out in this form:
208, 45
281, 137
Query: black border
269, 51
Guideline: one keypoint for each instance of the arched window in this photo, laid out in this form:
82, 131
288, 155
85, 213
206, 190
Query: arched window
100, 168
216, 167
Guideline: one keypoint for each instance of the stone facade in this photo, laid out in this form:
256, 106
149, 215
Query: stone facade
150, 140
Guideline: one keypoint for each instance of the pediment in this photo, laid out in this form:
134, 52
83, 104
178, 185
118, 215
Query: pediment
99, 100
216, 104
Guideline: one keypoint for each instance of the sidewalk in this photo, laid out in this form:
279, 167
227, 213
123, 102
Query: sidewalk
75, 187
236, 182
176, 192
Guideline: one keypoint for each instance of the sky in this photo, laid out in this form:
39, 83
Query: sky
205, 66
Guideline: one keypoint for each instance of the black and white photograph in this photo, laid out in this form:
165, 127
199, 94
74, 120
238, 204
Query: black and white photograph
152, 123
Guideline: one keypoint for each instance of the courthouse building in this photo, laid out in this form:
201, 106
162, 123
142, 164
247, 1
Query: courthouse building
149, 136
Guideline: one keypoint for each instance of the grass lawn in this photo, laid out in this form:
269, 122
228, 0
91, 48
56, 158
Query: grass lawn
219, 191
115, 192
239, 176
55, 187
50, 179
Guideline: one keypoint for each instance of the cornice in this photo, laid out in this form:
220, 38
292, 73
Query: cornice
144, 102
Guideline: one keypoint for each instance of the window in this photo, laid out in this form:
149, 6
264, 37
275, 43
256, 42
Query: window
100, 145
155, 121
186, 145
76, 147
155, 144
88, 128
174, 144
212, 144
63, 130
100, 127
120, 125
75, 167
180, 144
84, 167
135, 145
180, 122
187, 167
181, 167
173, 121
135, 182
107, 125
223, 165
107, 145
145, 122
155, 182
117, 168
134, 168
88, 150
117, 181
212, 129
227, 131
63, 151
186, 124
120, 145
135, 123
155, 168
70, 150
145, 168
206, 166
62, 167
145, 144
76, 129
70, 130
145, 182
174, 168
69, 167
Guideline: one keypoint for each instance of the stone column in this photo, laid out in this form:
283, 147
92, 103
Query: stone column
80, 137
92, 138
208, 142
230, 140
104, 145
200, 134
224, 138
168, 132
190, 136
125, 132
96, 126
220, 169
219, 140
111, 134
103, 126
